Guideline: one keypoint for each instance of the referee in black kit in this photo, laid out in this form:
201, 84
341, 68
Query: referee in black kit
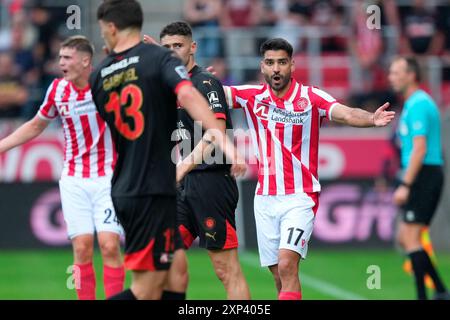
208, 194
135, 90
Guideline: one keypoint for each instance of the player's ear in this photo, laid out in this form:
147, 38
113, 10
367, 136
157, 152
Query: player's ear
86, 60
292, 65
261, 64
112, 28
193, 47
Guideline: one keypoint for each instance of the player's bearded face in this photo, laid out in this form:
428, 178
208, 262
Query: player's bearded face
183, 46
277, 68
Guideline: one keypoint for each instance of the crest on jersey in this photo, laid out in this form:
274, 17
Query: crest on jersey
302, 104
210, 223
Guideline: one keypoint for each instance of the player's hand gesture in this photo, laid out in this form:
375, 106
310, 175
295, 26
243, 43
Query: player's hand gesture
381, 117
211, 70
149, 40
238, 168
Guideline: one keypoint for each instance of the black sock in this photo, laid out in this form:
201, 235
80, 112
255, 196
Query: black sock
124, 295
171, 295
432, 272
419, 265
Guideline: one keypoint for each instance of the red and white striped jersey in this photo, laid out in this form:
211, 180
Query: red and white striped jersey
88, 146
285, 134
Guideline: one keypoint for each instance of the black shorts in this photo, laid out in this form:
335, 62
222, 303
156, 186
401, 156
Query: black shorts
424, 195
206, 204
149, 224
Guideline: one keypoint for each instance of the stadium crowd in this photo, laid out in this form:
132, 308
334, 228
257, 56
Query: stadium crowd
32, 32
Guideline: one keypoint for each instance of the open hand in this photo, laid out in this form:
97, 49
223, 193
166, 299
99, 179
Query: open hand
381, 117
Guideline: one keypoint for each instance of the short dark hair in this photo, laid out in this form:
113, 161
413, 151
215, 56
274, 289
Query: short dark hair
276, 44
79, 43
412, 65
177, 28
123, 13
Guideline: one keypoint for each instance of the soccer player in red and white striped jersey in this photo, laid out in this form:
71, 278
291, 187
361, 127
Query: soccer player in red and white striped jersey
284, 118
89, 159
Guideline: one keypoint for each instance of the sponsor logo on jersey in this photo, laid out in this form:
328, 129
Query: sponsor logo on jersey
207, 82
119, 65
213, 97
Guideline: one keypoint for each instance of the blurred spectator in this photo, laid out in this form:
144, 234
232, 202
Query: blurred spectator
366, 45
204, 15
21, 46
444, 31
242, 13
419, 24
293, 16
13, 93
329, 14
221, 71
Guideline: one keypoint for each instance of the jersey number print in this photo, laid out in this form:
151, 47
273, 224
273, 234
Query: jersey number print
132, 109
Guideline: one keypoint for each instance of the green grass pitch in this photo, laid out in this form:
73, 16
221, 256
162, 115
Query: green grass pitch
326, 274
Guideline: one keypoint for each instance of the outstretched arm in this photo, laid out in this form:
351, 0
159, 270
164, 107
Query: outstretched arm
356, 117
26, 132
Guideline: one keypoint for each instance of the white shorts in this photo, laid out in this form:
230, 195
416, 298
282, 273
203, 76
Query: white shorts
87, 206
284, 222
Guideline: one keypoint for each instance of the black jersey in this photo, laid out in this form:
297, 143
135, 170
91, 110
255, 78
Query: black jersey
190, 133
135, 92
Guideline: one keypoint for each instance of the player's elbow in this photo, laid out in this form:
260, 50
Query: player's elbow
185, 95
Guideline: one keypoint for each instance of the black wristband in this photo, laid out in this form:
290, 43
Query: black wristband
403, 183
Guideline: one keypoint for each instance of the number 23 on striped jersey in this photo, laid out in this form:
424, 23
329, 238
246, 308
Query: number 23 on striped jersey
131, 99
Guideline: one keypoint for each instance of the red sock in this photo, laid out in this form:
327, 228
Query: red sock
283, 295
85, 281
113, 279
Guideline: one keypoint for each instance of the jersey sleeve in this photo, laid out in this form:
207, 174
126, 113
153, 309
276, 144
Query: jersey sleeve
322, 101
233, 97
48, 110
418, 121
213, 91
174, 73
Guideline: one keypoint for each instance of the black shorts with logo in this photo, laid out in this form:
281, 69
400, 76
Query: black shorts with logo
150, 226
424, 195
206, 204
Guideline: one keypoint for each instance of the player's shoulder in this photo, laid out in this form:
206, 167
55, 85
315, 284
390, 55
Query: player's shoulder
421, 101
315, 92
57, 83
204, 78
249, 89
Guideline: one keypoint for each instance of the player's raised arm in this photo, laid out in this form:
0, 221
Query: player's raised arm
357, 117
26, 132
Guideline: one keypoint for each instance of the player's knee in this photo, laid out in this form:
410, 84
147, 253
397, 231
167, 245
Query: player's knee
287, 268
400, 239
110, 248
83, 252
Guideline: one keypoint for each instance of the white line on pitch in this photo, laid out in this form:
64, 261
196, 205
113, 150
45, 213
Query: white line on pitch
310, 281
